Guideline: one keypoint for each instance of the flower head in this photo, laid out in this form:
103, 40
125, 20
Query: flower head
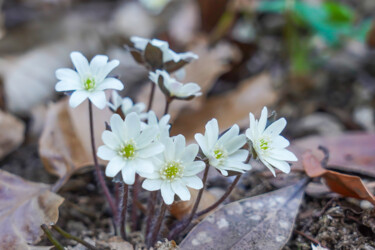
224, 153
268, 144
127, 106
162, 124
128, 148
175, 170
157, 54
174, 89
89, 81
154, 6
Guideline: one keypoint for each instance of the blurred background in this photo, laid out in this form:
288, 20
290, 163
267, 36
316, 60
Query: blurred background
311, 60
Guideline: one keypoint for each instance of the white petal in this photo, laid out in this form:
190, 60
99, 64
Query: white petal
276, 127
169, 151
67, 86
194, 168
97, 63
152, 185
128, 173
110, 83
151, 150
190, 153
236, 166
68, 75
111, 140
105, 70
279, 142
235, 143
77, 98
263, 120
106, 153
190, 89
212, 133
180, 143
282, 165
240, 155
132, 125
283, 154
181, 190
232, 132
193, 182
114, 166
139, 42
98, 99
146, 137
144, 166
167, 193
268, 166
201, 140
80, 63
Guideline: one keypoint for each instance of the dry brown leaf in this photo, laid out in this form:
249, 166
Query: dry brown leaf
181, 209
64, 145
12, 133
212, 63
346, 185
351, 152
230, 108
262, 222
24, 207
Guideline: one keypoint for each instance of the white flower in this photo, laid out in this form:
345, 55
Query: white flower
128, 148
175, 170
163, 124
116, 101
318, 247
268, 144
224, 153
168, 54
127, 105
89, 81
172, 87
155, 6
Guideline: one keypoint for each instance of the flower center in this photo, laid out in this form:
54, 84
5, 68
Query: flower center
171, 170
89, 84
127, 151
264, 144
219, 154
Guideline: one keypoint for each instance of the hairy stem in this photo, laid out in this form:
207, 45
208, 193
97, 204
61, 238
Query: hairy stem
134, 215
167, 103
150, 215
51, 238
225, 195
181, 227
157, 227
97, 168
71, 237
151, 98
123, 209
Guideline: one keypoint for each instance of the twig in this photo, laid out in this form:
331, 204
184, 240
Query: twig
71, 237
151, 98
308, 237
97, 168
50, 237
167, 103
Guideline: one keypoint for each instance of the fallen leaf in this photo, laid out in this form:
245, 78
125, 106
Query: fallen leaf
12, 133
24, 207
180, 209
351, 152
262, 222
233, 107
65, 145
197, 71
346, 185
117, 243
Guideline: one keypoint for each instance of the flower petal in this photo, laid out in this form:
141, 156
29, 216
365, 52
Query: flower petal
193, 182
279, 142
132, 125
110, 83
232, 132
190, 153
67, 86
276, 127
268, 166
282, 165
77, 98
128, 173
98, 99
240, 155
263, 120
151, 150
98, 62
181, 190
80, 63
146, 137
105, 70
179, 142
152, 185
201, 140
106, 153
144, 166
283, 154
118, 127
68, 75
235, 143
114, 166
167, 193
111, 140
212, 133
194, 168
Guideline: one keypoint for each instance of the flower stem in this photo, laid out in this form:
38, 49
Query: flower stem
150, 215
123, 209
225, 195
134, 215
167, 102
180, 228
158, 225
151, 98
97, 168
51, 238
71, 237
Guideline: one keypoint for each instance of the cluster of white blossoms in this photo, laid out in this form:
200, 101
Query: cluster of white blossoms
141, 144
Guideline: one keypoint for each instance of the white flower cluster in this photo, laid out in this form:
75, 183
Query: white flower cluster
141, 144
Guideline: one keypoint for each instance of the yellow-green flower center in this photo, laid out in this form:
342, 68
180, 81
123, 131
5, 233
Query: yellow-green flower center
264, 144
89, 84
219, 154
171, 170
127, 151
